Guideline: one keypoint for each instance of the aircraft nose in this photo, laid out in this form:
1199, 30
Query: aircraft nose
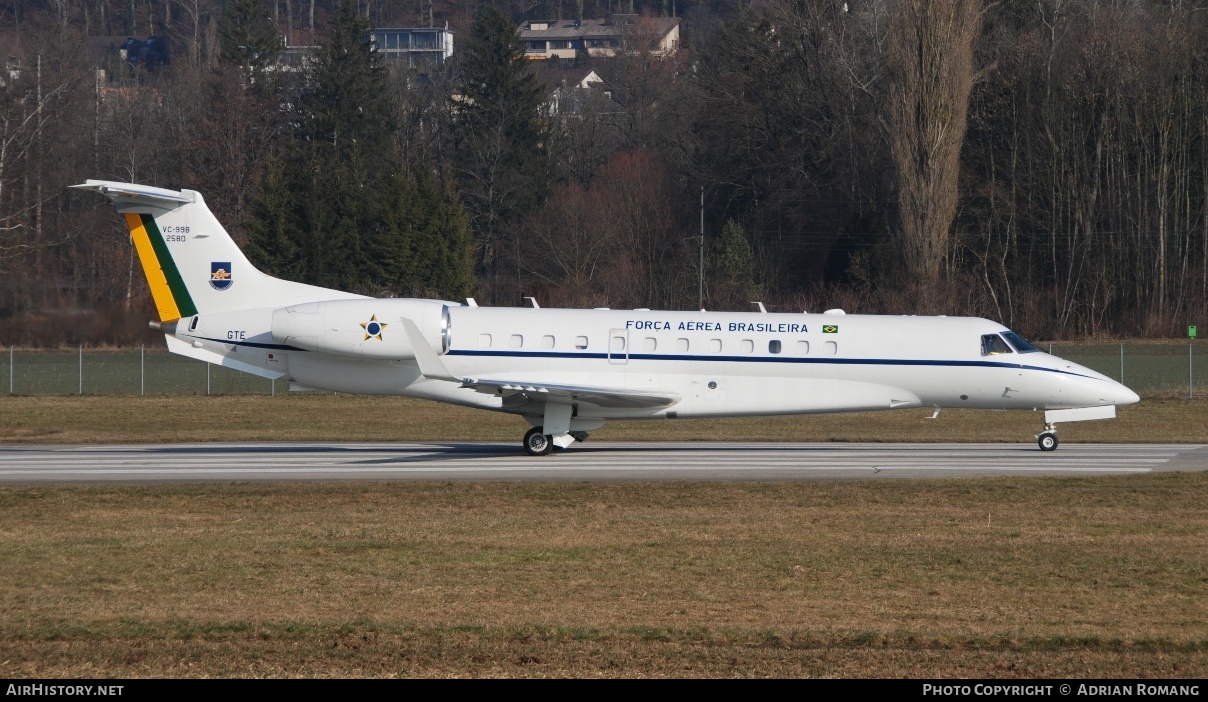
1125, 396
1090, 388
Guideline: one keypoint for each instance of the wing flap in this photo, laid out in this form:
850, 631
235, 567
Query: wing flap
613, 398
432, 367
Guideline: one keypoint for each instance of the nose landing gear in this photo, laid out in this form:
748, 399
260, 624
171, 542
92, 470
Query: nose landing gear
1047, 439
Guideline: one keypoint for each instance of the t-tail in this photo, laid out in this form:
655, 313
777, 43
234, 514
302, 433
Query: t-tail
191, 263
215, 306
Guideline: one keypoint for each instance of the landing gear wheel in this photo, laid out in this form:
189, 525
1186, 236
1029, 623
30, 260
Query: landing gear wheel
579, 436
1047, 441
536, 443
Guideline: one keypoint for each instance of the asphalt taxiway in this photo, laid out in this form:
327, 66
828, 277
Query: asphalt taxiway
603, 461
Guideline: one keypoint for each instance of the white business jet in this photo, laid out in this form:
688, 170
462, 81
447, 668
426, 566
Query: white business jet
567, 372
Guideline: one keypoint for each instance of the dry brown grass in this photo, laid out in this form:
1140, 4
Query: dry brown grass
173, 418
1094, 577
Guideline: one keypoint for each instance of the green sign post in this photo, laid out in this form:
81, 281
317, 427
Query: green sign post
1190, 364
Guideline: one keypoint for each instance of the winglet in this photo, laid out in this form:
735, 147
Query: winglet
429, 363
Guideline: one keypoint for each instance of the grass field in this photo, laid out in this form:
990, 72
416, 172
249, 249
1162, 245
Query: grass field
179, 418
1009, 577
1003, 577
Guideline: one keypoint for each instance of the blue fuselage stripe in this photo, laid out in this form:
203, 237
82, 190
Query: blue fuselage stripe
760, 359
252, 344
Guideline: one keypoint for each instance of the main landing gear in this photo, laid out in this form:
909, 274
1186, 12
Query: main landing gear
1047, 439
538, 443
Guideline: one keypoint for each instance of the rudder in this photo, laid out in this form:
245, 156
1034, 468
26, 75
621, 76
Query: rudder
168, 289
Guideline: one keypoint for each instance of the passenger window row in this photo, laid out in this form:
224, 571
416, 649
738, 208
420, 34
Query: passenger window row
516, 341
651, 344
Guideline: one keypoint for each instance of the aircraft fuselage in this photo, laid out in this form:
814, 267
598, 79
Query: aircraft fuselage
718, 363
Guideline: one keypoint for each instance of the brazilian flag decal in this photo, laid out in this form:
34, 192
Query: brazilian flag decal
830, 328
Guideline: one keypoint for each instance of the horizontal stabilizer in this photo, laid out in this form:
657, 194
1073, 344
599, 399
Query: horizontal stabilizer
184, 348
132, 191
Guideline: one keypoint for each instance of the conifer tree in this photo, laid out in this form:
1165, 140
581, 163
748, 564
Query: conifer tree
272, 226
425, 249
499, 130
249, 38
343, 210
733, 268
347, 105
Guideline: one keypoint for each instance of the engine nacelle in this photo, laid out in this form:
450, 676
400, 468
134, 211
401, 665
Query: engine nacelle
363, 328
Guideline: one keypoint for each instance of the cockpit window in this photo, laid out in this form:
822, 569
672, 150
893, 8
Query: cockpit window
1021, 344
993, 344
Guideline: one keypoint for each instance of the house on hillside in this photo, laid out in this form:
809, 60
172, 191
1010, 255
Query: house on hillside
12, 49
616, 34
145, 52
575, 91
418, 47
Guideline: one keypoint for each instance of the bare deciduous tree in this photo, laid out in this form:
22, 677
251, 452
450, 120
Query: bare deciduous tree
931, 69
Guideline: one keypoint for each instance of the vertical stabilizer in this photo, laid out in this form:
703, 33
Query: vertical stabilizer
191, 263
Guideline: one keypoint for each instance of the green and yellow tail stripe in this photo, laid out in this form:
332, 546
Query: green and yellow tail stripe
172, 298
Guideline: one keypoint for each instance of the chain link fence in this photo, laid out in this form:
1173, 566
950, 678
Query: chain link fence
124, 372
1144, 367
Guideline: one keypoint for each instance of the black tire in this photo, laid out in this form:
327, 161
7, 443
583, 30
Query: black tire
537, 443
1047, 441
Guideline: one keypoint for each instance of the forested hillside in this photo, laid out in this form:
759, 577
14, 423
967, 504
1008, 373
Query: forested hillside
1040, 162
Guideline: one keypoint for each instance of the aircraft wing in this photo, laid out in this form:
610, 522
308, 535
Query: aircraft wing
431, 367
598, 396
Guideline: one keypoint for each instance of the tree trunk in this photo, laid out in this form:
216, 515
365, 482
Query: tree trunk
931, 69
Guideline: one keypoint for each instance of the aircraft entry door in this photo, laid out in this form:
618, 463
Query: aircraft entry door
618, 346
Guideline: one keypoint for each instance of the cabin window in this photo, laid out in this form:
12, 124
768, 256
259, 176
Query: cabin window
832, 349
803, 348
774, 346
747, 346
715, 345
547, 342
617, 343
649, 344
516, 341
681, 344
580, 342
1021, 344
993, 344
484, 341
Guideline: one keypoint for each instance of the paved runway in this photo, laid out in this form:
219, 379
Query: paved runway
589, 461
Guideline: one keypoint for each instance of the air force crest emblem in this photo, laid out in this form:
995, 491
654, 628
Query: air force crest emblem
220, 275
